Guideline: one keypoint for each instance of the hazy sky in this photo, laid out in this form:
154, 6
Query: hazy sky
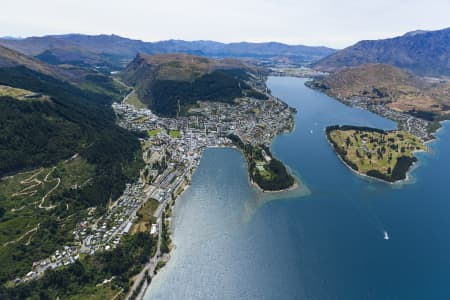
314, 22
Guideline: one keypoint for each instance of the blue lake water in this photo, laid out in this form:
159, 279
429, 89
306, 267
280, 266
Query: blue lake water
325, 245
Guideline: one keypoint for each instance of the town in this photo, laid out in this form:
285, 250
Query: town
172, 150
416, 126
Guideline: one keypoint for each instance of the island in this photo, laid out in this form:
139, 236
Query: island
385, 155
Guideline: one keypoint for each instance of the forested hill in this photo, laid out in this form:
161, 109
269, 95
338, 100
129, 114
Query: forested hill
36, 133
10, 58
61, 155
169, 83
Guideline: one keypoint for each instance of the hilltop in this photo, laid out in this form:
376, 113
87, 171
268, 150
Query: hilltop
385, 84
425, 53
169, 83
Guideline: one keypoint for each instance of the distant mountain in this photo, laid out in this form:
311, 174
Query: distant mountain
399, 89
112, 51
10, 58
425, 53
242, 50
168, 83
10, 38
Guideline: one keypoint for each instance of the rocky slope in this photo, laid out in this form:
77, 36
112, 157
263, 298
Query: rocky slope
425, 53
400, 90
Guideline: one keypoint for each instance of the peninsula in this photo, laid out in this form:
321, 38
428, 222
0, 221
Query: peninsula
385, 155
173, 138
415, 103
94, 195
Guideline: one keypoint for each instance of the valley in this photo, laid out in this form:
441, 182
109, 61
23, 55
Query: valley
100, 135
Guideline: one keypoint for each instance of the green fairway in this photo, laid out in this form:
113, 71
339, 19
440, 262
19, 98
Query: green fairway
175, 134
153, 132
20, 94
375, 151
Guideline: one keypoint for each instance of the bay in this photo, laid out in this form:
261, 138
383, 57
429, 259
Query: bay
325, 244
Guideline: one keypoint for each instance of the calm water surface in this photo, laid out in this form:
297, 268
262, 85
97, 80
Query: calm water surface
325, 245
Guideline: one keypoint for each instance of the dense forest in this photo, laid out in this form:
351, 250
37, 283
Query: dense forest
279, 178
39, 133
36, 133
219, 85
399, 172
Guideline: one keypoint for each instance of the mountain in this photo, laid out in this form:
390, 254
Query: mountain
168, 83
425, 53
75, 111
399, 89
111, 51
10, 58
242, 50
73, 49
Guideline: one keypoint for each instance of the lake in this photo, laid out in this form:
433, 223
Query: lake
325, 244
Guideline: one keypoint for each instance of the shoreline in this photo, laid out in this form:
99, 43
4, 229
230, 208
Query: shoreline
146, 285
294, 186
407, 178
141, 291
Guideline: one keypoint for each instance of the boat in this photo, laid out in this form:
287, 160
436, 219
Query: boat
386, 236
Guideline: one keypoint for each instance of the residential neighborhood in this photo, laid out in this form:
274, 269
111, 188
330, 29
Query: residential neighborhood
171, 151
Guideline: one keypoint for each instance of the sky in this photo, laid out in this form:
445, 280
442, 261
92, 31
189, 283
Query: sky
336, 24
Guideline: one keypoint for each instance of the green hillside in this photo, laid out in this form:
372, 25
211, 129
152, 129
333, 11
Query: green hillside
41, 138
168, 84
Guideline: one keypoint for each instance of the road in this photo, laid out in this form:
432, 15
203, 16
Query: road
151, 265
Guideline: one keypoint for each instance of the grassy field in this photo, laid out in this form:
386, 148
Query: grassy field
175, 134
107, 291
134, 100
380, 151
153, 132
19, 94
262, 170
145, 217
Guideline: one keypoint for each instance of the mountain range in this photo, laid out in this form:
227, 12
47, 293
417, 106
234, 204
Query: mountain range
113, 52
425, 53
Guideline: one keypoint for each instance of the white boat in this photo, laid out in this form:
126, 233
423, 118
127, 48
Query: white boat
311, 131
386, 236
